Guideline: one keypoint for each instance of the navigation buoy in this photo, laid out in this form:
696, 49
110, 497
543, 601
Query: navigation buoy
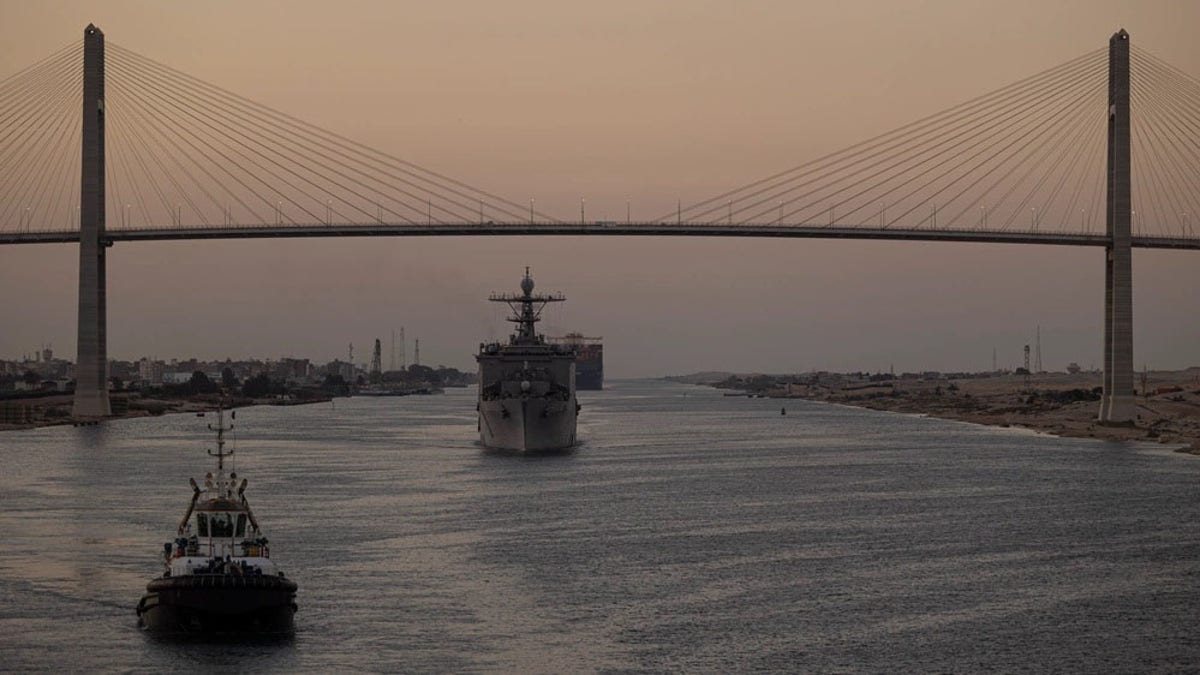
783, 411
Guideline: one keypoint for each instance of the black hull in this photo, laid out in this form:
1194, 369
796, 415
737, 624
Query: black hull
589, 380
218, 604
589, 373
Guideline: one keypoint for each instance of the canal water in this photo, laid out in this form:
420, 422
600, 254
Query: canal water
691, 532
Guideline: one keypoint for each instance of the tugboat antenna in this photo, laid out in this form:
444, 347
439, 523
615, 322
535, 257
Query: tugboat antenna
220, 454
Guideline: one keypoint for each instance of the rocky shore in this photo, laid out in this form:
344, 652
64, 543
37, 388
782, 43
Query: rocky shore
1057, 403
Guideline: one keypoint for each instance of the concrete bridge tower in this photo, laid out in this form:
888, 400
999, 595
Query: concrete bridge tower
1117, 406
91, 366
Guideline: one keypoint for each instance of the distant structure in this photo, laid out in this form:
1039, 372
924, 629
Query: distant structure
589, 359
1026, 365
91, 398
376, 373
417, 352
403, 356
1037, 354
392, 359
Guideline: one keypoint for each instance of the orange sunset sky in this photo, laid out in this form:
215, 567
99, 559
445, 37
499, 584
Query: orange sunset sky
645, 102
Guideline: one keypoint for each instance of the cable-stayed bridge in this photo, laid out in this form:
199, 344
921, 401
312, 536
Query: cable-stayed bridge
1099, 151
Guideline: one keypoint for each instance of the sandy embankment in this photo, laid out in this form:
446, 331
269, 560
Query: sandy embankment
1050, 403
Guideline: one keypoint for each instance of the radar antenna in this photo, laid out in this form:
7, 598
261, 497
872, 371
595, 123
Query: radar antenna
526, 310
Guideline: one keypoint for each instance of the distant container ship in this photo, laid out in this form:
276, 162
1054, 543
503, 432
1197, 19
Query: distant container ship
589, 359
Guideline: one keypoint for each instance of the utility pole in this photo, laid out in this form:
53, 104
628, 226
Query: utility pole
1037, 362
376, 374
1026, 366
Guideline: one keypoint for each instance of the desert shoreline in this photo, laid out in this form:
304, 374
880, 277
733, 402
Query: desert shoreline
1060, 404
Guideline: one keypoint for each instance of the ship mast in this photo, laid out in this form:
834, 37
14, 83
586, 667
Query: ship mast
527, 310
220, 454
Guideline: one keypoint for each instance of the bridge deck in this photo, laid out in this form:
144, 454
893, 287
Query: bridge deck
598, 229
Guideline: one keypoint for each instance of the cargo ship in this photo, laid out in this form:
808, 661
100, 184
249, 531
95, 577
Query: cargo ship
526, 385
589, 359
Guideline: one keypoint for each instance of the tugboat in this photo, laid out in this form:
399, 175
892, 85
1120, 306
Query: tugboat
527, 386
218, 576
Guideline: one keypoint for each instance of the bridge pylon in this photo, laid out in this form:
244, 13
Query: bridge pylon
1118, 404
91, 366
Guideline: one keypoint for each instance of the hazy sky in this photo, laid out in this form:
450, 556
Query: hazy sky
642, 101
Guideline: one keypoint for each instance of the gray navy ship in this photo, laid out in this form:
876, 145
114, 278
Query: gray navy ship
527, 385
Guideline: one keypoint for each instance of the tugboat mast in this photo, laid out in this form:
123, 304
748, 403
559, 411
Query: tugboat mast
220, 454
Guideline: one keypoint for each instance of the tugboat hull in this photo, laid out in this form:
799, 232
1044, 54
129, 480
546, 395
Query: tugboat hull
213, 604
533, 425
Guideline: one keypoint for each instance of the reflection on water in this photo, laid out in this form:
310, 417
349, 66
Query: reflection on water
688, 532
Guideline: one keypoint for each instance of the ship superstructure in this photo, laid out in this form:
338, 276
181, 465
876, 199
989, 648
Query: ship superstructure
527, 385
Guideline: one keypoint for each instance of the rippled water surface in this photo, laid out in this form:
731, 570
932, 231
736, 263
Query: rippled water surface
690, 532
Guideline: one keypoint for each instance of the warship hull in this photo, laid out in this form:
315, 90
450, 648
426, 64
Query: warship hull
218, 604
531, 425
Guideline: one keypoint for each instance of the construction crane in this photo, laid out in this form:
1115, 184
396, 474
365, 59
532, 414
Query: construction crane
376, 374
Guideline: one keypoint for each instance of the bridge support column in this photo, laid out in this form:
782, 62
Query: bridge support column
1118, 405
91, 366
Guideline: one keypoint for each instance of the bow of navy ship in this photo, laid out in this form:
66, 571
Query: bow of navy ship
527, 385
218, 574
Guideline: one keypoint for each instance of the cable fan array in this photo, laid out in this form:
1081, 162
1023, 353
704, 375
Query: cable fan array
40, 130
181, 152
1165, 157
203, 156
1030, 156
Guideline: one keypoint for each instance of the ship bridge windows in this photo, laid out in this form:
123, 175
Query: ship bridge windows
221, 524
